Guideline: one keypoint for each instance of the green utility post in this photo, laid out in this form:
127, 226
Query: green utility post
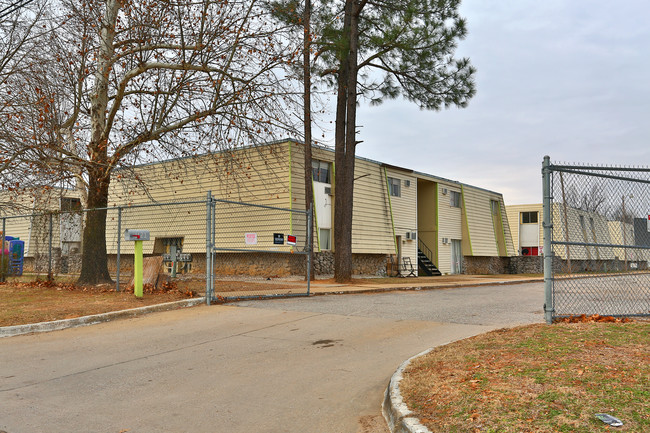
138, 236
138, 270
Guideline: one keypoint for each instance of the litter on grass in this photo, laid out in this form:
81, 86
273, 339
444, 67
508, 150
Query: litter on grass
610, 420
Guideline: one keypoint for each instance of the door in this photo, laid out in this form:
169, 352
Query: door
456, 257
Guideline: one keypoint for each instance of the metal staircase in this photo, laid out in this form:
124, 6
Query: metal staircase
426, 265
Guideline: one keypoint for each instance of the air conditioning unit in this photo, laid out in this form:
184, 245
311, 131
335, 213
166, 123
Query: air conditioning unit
411, 236
328, 190
407, 182
445, 241
444, 191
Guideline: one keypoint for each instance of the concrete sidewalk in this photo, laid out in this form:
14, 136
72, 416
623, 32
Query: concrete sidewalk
370, 285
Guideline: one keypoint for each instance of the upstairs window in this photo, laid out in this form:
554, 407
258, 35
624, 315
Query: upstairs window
454, 198
494, 206
394, 186
321, 171
529, 217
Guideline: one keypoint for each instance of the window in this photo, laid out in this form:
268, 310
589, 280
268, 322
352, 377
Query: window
454, 198
529, 217
320, 171
325, 242
70, 204
494, 206
394, 186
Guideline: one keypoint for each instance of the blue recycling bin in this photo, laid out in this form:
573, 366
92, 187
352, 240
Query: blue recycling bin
16, 250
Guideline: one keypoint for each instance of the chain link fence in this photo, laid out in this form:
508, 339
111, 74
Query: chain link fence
227, 250
258, 251
596, 240
50, 244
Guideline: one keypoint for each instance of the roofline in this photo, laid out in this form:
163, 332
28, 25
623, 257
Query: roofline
322, 147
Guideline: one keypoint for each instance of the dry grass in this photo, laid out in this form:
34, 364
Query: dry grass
40, 301
535, 379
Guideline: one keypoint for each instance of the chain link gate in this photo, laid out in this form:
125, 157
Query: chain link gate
596, 222
256, 251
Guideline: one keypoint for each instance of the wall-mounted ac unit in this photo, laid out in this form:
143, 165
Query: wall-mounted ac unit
445, 241
444, 191
407, 182
328, 190
411, 236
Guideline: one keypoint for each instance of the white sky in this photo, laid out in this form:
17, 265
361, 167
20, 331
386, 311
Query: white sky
569, 79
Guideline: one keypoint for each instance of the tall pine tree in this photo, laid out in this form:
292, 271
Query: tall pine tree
378, 50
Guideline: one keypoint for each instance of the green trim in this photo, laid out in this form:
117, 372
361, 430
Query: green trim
503, 230
437, 220
390, 206
464, 211
290, 188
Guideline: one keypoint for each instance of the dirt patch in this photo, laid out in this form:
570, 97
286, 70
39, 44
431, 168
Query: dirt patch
41, 301
541, 378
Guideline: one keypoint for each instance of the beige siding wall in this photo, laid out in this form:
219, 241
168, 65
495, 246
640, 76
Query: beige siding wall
480, 222
372, 230
33, 225
404, 211
577, 233
253, 175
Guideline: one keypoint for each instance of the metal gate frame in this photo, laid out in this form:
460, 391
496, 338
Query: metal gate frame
212, 249
550, 277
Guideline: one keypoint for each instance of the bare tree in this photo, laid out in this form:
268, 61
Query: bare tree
592, 199
126, 81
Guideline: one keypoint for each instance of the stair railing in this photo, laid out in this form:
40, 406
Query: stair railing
426, 250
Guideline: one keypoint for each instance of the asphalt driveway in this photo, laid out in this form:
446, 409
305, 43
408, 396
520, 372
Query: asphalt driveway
300, 365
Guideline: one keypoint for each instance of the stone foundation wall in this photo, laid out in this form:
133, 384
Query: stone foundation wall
473, 265
616, 265
526, 265
61, 264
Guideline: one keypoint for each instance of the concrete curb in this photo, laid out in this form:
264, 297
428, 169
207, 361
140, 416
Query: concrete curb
372, 289
395, 410
10, 331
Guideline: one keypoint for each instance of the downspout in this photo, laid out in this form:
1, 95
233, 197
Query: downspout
390, 207
290, 189
464, 212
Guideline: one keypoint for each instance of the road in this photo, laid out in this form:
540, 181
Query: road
297, 365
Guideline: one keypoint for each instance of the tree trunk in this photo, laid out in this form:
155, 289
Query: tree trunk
344, 148
309, 192
94, 260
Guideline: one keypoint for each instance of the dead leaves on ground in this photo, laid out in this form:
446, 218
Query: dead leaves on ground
594, 318
165, 287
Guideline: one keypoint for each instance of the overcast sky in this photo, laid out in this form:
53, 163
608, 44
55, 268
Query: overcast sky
569, 79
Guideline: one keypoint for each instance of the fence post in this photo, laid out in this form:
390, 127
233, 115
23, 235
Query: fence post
548, 253
310, 245
49, 253
2, 251
208, 249
119, 245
